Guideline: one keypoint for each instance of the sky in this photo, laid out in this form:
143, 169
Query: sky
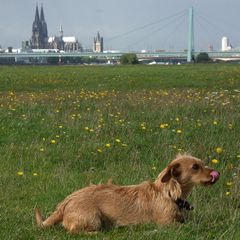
125, 25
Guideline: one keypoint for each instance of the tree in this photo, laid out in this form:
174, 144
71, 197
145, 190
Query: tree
203, 58
129, 58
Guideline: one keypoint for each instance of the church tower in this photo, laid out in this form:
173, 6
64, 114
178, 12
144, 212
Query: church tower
44, 29
39, 31
98, 43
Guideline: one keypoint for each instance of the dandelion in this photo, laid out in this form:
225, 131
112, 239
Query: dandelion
57, 136
154, 168
215, 123
179, 131
86, 128
118, 140
60, 126
35, 174
20, 173
228, 193
163, 125
99, 150
41, 149
229, 184
177, 119
124, 145
53, 141
108, 145
215, 161
218, 150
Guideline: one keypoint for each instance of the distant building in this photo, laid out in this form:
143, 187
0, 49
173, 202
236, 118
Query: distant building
98, 43
210, 48
67, 44
39, 38
226, 46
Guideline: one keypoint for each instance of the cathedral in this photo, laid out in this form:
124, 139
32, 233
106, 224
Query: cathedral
39, 38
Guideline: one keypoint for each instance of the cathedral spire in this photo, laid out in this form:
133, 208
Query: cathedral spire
61, 31
37, 14
42, 14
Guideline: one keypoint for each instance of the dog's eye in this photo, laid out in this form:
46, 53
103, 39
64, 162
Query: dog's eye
195, 166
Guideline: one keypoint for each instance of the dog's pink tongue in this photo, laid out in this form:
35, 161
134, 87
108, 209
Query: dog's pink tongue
215, 176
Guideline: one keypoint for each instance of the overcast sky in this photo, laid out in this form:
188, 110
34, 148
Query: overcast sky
126, 24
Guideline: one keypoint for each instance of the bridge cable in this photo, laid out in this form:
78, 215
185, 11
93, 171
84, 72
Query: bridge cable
145, 26
159, 29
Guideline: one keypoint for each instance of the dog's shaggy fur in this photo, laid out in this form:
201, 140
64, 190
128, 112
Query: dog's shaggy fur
102, 206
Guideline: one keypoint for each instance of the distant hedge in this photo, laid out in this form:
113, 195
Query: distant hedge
129, 58
203, 57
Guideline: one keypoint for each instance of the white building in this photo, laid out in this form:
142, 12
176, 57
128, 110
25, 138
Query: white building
226, 46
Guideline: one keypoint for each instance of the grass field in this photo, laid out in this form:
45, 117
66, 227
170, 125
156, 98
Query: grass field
62, 128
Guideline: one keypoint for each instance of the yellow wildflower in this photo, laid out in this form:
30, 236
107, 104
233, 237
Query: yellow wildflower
99, 150
20, 173
108, 145
228, 193
219, 150
35, 174
163, 125
215, 161
118, 140
53, 141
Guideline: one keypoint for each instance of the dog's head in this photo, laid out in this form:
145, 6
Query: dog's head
189, 171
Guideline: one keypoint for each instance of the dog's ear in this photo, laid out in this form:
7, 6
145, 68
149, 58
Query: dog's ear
172, 171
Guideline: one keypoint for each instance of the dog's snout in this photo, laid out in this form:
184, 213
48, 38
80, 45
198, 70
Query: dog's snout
215, 175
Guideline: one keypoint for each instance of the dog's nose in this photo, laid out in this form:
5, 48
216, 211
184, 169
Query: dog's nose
215, 175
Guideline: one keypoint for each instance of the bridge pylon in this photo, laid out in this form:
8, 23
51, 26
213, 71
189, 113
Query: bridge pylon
190, 37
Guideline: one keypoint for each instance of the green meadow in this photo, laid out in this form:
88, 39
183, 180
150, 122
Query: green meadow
64, 127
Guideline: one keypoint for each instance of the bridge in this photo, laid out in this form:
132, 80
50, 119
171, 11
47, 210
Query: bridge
228, 55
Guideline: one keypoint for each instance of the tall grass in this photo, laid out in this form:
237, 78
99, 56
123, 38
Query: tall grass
63, 128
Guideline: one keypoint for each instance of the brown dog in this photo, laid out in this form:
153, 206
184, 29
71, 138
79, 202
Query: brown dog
102, 206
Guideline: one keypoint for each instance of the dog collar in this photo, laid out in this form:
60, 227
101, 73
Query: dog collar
183, 204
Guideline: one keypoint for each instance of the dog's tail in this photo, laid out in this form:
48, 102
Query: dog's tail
53, 219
